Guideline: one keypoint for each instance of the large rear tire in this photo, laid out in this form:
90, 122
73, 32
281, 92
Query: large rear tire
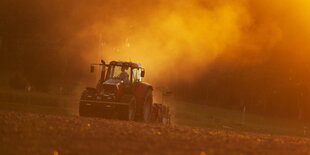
147, 106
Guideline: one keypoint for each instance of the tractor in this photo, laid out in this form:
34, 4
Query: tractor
121, 94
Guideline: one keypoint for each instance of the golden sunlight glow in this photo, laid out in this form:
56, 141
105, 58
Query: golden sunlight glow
171, 37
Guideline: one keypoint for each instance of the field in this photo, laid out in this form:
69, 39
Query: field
41, 123
219, 118
189, 114
38, 102
30, 133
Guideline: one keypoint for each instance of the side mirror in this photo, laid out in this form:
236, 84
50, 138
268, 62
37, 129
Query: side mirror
92, 68
142, 73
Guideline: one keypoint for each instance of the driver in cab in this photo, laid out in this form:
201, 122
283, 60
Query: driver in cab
124, 75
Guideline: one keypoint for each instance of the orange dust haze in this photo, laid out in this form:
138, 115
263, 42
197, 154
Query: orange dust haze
232, 51
176, 41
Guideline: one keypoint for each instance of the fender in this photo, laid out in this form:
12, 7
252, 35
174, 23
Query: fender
140, 91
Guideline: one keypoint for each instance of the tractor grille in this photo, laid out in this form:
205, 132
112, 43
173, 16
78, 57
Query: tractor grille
109, 89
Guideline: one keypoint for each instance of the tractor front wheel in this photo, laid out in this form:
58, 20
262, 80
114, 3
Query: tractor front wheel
132, 109
129, 112
147, 106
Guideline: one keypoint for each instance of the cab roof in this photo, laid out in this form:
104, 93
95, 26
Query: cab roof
126, 63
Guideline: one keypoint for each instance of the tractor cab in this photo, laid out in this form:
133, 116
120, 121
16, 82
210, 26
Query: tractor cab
127, 72
119, 79
119, 74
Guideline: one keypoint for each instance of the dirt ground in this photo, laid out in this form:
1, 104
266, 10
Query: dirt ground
29, 133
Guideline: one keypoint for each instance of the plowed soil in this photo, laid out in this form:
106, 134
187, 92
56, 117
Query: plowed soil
29, 133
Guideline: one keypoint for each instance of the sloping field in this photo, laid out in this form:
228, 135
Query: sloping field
29, 133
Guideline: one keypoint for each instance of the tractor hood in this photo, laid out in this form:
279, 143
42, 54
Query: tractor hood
111, 89
115, 82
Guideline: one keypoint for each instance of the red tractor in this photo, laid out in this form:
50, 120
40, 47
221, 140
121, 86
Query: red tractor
121, 94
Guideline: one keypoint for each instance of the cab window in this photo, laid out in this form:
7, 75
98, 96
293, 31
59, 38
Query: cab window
136, 75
